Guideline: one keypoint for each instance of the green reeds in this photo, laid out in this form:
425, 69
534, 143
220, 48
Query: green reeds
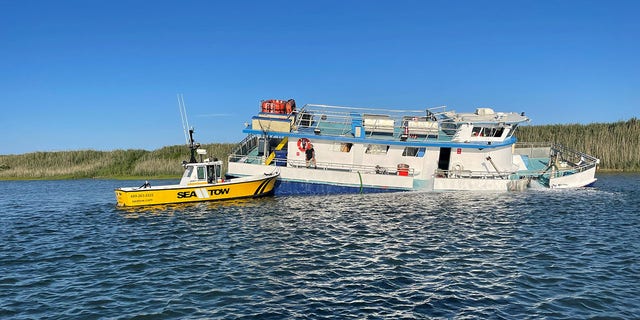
161, 163
617, 145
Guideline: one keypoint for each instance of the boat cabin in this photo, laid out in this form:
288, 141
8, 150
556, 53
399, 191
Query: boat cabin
206, 172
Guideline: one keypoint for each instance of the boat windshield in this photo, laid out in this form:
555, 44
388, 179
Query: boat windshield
187, 172
201, 175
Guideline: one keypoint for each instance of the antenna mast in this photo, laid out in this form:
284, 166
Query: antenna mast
188, 132
183, 115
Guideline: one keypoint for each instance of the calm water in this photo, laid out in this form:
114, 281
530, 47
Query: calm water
66, 252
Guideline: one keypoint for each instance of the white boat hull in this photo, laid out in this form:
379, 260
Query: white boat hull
332, 181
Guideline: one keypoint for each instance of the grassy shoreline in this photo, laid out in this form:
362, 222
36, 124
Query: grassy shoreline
617, 145
134, 164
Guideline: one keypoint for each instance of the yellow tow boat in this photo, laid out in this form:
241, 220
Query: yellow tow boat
245, 187
201, 181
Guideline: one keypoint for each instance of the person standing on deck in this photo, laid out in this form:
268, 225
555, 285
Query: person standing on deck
310, 156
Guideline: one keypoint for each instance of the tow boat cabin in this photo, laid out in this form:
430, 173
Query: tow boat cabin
206, 172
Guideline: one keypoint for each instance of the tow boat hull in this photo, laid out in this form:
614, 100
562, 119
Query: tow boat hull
246, 187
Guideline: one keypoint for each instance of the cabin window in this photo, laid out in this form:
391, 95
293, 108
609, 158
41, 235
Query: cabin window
449, 128
377, 149
211, 174
218, 171
201, 173
487, 132
188, 172
413, 152
342, 147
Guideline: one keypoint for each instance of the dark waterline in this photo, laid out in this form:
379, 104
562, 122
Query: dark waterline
67, 253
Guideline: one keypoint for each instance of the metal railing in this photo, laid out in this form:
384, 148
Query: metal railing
249, 143
337, 120
561, 156
321, 165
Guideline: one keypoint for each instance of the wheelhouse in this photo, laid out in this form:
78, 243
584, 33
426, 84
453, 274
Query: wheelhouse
207, 172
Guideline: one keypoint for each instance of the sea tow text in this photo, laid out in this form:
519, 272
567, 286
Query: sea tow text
212, 192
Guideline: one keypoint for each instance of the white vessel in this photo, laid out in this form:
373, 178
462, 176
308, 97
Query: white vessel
374, 150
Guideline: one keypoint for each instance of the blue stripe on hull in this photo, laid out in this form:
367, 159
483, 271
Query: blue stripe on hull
286, 188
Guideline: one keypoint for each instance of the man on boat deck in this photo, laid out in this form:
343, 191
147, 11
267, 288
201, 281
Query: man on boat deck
310, 155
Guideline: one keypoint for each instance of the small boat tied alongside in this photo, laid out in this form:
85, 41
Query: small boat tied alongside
201, 181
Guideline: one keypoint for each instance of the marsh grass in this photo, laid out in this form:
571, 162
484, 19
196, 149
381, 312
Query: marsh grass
160, 163
617, 145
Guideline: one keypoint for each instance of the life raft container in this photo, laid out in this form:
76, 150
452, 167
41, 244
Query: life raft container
273, 106
278, 106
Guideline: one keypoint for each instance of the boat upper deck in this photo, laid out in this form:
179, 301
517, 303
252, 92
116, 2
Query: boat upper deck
430, 125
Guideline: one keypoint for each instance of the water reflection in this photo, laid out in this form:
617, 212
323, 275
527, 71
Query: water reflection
193, 208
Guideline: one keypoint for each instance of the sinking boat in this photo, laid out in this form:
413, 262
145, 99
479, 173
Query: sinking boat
376, 150
201, 181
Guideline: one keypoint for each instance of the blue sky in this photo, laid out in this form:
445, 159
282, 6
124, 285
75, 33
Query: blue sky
104, 75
